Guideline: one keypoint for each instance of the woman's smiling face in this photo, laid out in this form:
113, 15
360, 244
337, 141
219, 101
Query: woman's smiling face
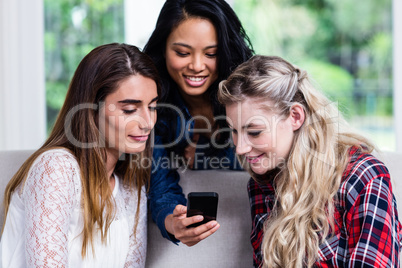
260, 134
129, 115
191, 56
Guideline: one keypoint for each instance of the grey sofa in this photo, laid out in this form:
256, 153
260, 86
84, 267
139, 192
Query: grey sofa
229, 246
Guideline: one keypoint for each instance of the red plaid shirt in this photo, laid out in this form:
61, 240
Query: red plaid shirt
367, 231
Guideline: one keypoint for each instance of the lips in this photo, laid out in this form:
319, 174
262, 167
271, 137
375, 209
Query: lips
195, 81
142, 138
253, 159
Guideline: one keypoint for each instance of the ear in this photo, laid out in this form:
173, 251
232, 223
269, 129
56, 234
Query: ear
297, 116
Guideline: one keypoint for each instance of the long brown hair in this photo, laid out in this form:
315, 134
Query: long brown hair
76, 129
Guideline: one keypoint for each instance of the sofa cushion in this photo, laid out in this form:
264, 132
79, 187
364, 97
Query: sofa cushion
10, 162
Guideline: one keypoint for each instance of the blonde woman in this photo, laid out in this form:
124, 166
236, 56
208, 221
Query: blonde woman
80, 200
318, 197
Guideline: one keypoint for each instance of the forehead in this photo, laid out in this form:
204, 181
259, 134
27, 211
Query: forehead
135, 87
194, 31
251, 110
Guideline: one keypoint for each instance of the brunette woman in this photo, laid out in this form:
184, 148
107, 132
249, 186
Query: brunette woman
195, 45
80, 200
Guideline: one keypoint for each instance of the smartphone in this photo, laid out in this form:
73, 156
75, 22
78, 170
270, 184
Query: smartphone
202, 203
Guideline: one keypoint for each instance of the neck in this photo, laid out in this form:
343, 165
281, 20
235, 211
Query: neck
196, 103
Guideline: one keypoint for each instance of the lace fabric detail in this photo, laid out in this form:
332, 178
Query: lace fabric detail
51, 197
138, 242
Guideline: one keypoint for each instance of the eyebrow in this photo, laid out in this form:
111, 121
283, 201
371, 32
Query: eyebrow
246, 126
188, 46
131, 101
251, 125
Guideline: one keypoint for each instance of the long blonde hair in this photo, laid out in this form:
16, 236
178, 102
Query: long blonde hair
307, 184
97, 76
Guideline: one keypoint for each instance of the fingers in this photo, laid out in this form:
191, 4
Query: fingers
179, 210
180, 219
192, 236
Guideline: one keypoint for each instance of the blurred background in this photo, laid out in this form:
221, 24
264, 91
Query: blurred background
346, 46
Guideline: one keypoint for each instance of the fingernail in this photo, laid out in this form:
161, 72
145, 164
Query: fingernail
213, 224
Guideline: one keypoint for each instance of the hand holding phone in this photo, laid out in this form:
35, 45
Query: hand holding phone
204, 204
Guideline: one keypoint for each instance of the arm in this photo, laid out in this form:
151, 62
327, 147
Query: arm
49, 193
373, 225
165, 192
259, 214
167, 202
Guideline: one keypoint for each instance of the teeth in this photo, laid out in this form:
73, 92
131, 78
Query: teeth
195, 79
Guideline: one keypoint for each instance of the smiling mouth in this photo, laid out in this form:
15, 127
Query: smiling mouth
195, 78
195, 81
253, 159
142, 138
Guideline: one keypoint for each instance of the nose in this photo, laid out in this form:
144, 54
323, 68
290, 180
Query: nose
148, 119
242, 144
197, 63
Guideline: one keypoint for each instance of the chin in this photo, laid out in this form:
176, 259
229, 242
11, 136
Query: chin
260, 171
195, 91
135, 150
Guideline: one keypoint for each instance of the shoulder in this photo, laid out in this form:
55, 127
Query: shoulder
55, 168
57, 153
363, 170
56, 159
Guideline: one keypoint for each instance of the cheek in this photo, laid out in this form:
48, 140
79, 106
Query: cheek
116, 128
285, 142
110, 129
174, 63
263, 142
213, 67
131, 123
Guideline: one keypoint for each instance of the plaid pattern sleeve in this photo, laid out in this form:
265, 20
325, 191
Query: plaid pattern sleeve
367, 231
261, 198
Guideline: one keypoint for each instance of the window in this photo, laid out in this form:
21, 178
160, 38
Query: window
349, 55
72, 29
346, 46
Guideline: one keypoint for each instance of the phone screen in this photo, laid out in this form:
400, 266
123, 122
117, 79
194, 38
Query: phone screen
202, 203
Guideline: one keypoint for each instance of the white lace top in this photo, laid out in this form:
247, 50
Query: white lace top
45, 221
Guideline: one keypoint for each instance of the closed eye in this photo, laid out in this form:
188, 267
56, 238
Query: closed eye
254, 133
182, 54
129, 111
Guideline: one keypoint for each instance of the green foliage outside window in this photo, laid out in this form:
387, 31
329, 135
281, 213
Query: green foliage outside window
345, 45
72, 29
